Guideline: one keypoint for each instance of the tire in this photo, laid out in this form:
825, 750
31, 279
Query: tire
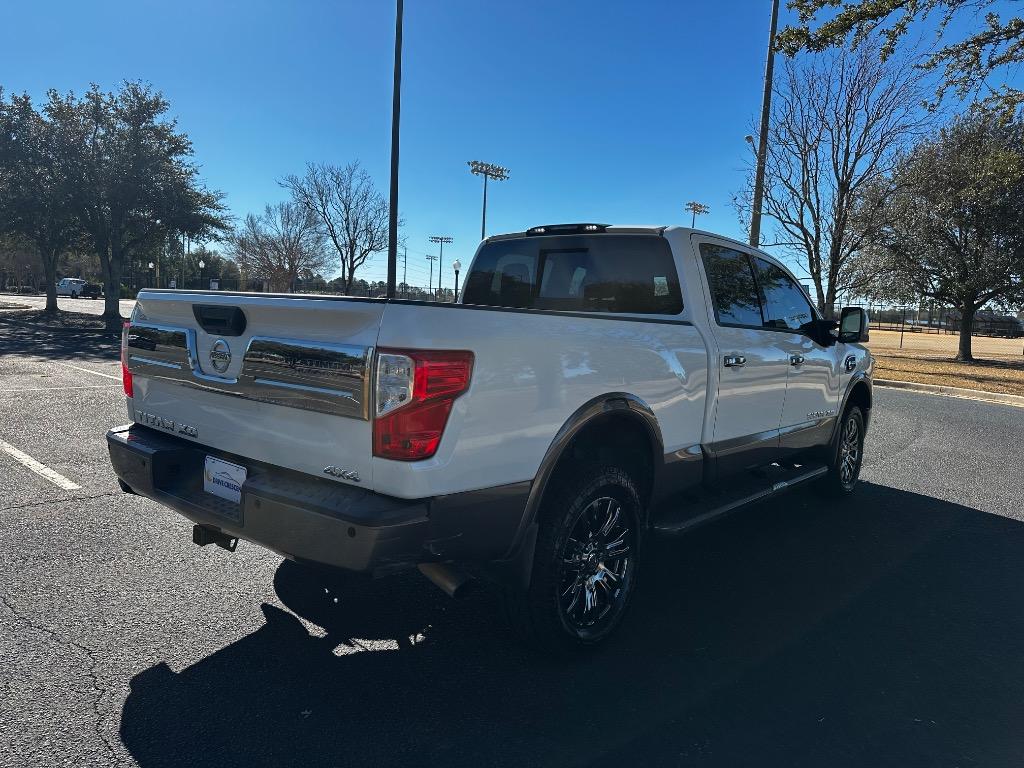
74, 295
585, 565
847, 456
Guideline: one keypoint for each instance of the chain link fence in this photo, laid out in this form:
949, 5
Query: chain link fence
930, 318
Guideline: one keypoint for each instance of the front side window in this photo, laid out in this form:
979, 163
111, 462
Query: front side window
733, 287
785, 305
583, 273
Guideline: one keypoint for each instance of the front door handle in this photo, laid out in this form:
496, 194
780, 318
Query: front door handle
796, 359
734, 361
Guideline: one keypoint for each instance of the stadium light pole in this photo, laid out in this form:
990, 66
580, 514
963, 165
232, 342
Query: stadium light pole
762, 138
488, 171
440, 239
396, 109
697, 209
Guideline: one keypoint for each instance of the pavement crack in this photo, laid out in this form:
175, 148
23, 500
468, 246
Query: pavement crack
57, 501
99, 689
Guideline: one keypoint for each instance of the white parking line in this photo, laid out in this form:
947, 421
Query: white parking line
40, 469
94, 373
58, 389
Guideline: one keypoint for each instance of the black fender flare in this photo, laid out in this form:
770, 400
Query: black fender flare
860, 377
516, 569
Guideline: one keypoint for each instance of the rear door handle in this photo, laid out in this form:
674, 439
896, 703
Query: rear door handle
734, 361
796, 359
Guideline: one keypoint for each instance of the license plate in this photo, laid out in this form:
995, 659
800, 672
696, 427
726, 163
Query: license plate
224, 479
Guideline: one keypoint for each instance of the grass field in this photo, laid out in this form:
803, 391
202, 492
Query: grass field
927, 358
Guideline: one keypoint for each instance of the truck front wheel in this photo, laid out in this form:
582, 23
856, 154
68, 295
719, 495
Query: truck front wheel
847, 456
585, 564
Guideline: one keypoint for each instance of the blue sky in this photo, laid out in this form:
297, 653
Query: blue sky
604, 111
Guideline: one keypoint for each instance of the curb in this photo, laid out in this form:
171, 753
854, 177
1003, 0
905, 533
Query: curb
965, 394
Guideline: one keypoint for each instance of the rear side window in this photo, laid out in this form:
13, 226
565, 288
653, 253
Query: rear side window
785, 305
733, 287
582, 273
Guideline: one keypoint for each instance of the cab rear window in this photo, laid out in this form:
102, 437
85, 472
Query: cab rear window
584, 273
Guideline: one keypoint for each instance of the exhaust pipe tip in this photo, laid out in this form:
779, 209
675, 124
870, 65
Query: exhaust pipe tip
452, 581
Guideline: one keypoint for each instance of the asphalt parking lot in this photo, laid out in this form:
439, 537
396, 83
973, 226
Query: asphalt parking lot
887, 629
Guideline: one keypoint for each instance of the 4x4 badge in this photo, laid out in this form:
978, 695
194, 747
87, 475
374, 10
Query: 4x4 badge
344, 474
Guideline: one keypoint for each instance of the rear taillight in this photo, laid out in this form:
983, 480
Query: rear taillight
415, 390
126, 375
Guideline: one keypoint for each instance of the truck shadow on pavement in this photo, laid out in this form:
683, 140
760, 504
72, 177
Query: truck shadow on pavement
887, 629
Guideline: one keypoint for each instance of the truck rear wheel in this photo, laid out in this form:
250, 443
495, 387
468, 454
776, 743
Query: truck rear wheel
585, 564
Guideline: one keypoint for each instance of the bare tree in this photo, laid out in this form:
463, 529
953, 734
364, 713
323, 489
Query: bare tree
350, 211
279, 245
838, 123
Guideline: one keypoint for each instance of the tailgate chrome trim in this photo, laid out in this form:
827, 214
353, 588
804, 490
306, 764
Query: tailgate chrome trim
313, 376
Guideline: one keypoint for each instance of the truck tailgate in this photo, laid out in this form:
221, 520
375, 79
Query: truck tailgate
280, 379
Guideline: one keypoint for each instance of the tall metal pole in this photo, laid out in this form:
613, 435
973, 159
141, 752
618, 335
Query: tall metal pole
405, 272
762, 137
483, 217
488, 171
396, 109
441, 240
430, 282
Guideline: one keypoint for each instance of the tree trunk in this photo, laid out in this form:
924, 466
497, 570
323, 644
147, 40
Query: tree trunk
821, 294
50, 270
829, 310
112, 262
964, 353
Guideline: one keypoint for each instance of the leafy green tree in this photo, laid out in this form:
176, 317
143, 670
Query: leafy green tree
37, 185
967, 62
954, 223
16, 261
135, 178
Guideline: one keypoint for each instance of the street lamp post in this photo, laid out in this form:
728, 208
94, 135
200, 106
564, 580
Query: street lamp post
488, 171
441, 240
152, 266
456, 265
430, 282
396, 110
762, 137
202, 266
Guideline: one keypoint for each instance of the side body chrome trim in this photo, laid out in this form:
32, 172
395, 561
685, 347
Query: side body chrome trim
313, 376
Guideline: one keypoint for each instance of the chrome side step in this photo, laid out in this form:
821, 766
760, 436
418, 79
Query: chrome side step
788, 479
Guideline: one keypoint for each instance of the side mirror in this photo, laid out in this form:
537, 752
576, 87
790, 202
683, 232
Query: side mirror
853, 325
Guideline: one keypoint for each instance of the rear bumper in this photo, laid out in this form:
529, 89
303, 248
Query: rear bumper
319, 521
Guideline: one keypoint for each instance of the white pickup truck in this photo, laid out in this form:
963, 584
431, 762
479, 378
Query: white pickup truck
595, 384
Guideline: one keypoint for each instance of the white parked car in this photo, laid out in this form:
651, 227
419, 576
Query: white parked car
71, 286
595, 384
